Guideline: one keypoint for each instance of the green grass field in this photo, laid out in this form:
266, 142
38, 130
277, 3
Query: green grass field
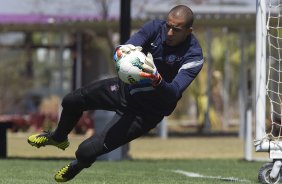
28, 171
193, 160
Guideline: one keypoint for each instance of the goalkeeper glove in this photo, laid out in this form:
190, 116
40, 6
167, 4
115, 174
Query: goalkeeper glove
123, 50
150, 70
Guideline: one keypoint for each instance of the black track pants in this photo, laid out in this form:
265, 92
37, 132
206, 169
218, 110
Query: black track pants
125, 126
122, 129
103, 95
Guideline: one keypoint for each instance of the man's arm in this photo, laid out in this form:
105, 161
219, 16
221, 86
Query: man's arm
187, 73
135, 42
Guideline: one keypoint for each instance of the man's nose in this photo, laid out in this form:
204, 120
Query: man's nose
170, 32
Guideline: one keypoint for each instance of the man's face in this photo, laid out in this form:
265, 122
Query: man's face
176, 30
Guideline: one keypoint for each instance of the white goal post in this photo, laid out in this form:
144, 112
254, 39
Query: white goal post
260, 68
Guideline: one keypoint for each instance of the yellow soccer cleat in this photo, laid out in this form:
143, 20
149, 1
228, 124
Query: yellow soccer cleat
68, 172
44, 139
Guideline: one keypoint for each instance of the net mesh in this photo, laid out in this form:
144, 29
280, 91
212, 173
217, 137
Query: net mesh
274, 66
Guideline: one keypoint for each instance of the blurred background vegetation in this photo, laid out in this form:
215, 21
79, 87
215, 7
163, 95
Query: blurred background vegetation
39, 64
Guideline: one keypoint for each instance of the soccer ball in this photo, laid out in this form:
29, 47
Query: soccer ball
129, 67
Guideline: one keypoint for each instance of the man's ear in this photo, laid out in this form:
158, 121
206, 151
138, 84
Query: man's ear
190, 29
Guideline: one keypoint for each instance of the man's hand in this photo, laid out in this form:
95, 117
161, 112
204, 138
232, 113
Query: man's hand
150, 70
123, 50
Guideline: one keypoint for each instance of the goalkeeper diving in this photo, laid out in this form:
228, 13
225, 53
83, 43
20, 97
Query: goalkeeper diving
173, 60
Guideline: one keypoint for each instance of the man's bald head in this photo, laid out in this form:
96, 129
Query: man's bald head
182, 11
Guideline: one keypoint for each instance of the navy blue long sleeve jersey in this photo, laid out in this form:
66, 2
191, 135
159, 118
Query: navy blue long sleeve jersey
178, 67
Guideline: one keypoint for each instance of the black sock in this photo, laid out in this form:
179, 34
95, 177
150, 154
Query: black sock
67, 122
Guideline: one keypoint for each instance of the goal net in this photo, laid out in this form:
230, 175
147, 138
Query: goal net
274, 73
270, 17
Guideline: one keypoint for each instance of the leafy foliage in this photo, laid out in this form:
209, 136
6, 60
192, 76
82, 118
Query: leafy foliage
14, 82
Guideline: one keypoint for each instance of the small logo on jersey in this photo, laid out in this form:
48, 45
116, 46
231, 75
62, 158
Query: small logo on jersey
170, 59
153, 45
114, 87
